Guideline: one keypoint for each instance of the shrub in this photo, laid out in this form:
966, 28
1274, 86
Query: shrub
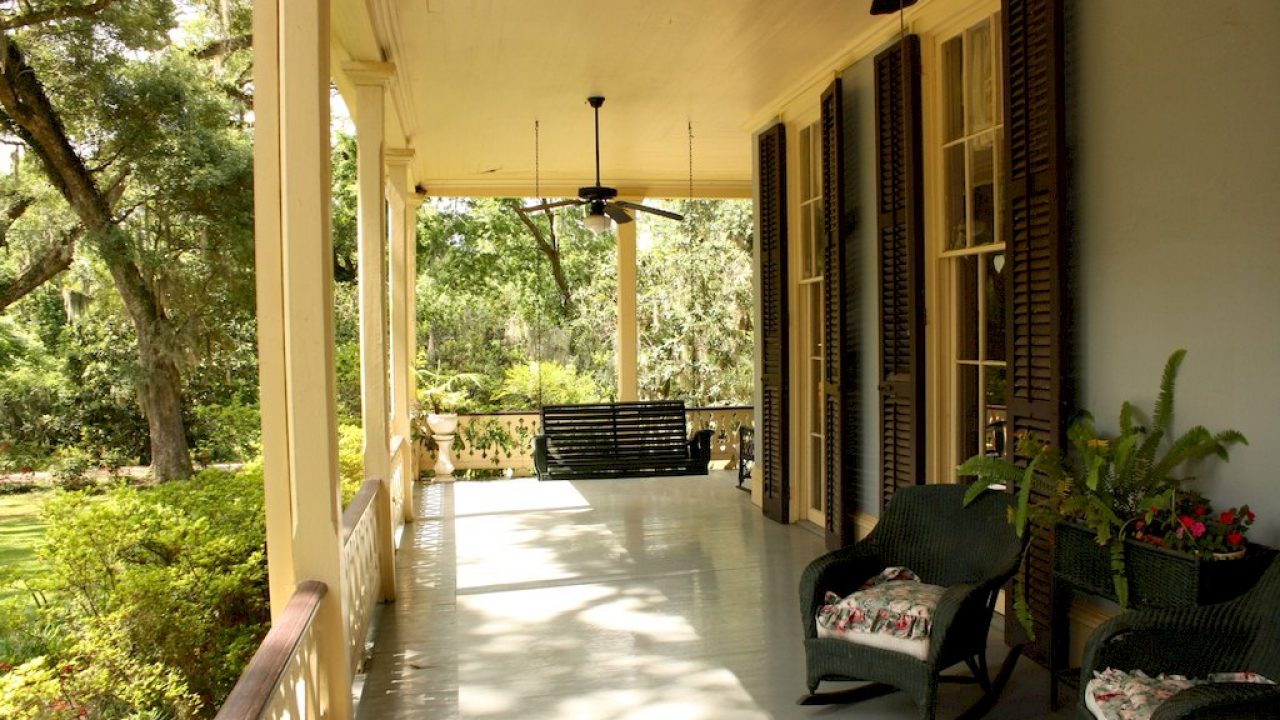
72, 469
159, 598
226, 433
350, 460
548, 383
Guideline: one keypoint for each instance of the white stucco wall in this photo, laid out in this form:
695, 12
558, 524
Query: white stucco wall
1175, 129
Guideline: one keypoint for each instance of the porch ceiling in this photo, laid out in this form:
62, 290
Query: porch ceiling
472, 76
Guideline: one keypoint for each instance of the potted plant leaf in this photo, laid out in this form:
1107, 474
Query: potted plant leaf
1104, 489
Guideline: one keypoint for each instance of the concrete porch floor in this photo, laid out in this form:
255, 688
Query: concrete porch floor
662, 598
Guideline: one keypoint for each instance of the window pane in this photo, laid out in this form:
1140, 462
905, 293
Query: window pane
995, 298
820, 233
980, 78
817, 494
967, 308
806, 242
967, 412
995, 392
954, 188
953, 90
982, 179
805, 152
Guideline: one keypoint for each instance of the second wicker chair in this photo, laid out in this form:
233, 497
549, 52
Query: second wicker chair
971, 551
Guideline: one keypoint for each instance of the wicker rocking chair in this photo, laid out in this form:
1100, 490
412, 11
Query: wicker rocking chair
1241, 635
970, 551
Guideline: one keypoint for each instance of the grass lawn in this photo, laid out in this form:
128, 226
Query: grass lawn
20, 527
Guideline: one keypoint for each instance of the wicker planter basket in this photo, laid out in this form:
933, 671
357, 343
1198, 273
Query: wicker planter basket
1158, 577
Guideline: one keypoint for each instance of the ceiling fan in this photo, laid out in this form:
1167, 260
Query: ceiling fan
602, 203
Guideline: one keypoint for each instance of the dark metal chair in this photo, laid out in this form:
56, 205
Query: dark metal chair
1241, 635
971, 551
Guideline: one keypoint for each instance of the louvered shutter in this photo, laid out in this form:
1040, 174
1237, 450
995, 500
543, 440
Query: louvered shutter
838, 338
1039, 387
900, 232
775, 429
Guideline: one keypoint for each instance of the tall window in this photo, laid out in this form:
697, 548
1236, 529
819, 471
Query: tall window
973, 186
813, 243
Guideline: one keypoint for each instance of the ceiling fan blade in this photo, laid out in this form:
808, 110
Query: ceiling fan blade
646, 208
619, 215
549, 205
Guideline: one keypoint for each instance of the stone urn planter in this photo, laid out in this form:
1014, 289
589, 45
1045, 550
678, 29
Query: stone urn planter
443, 426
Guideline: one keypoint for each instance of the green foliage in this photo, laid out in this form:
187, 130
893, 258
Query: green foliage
72, 469
1108, 484
350, 460
695, 304
534, 384
226, 433
148, 602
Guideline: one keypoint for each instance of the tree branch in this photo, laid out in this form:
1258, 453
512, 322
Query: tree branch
17, 206
549, 249
36, 17
225, 46
45, 267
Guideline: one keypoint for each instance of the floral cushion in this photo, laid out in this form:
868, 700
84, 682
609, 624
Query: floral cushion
1116, 695
893, 610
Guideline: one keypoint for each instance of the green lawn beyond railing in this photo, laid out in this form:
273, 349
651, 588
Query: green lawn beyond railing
20, 527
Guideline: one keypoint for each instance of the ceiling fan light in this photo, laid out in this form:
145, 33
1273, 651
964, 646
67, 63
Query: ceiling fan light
597, 223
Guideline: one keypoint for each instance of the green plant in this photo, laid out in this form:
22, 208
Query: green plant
1107, 484
535, 384
72, 469
440, 392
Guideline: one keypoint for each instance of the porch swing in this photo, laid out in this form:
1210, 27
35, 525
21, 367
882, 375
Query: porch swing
610, 439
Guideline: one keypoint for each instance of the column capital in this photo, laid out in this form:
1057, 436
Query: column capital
363, 72
399, 175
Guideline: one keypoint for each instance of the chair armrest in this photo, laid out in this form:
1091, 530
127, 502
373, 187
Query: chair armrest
1186, 641
962, 617
540, 455
841, 572
1222, 701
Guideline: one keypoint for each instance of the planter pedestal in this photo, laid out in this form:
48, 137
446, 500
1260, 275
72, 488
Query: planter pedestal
444, 463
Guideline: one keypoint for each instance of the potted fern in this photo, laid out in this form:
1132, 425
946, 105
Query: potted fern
1105, 489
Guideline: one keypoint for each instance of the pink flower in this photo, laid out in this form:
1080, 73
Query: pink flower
1140, 525
1201, 510
1227, 517
1185, 520
1197, 529
1235, 538
1250, 516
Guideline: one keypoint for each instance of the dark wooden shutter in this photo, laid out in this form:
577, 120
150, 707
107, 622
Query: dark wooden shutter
900, 230
838, 338
775, 430
1039, 386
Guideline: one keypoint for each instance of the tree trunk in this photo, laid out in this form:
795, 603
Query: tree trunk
23, 99
161, 396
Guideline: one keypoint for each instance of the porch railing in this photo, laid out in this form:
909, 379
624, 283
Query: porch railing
283, 678
362, 569
401, 474
504, 439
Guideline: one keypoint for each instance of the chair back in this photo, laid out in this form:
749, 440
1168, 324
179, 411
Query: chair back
928, 529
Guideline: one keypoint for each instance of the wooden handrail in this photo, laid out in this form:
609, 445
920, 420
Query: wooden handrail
351, 516
258, 683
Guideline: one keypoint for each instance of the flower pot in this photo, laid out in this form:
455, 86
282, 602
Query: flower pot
1158, 577
1233, 555
442, 423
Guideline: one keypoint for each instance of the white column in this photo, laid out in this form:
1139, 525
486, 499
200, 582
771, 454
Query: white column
370, 80
404, 203
295, 322
628, 336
